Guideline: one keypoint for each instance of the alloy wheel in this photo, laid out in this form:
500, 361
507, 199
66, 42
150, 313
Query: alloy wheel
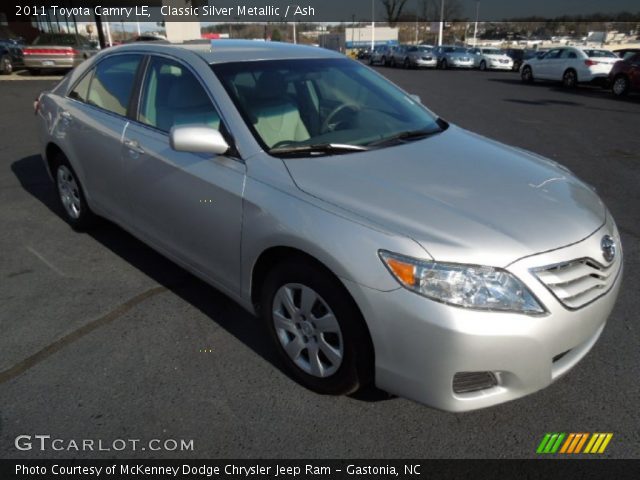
620, 86
307, 330
569, 78
69, 192
7, 66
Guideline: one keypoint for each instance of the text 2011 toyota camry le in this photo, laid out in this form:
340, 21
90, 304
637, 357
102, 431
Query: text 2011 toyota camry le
378, 242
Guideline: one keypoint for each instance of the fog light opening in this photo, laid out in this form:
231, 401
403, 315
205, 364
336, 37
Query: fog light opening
466, 382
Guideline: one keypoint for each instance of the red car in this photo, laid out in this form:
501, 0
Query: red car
625, 75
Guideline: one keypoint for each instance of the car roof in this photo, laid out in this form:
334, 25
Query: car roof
225, 51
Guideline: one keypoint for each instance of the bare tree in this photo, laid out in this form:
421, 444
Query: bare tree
393, 9
431, 10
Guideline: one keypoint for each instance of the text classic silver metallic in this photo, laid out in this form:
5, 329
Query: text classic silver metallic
378, 242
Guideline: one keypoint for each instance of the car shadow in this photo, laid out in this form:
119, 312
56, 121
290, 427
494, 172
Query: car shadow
32, 175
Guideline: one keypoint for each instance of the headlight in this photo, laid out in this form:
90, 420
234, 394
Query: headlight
485, 288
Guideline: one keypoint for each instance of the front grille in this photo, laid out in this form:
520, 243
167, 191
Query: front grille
465, 382
578, 282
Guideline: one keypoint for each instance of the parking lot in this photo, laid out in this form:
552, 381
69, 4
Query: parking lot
102, 338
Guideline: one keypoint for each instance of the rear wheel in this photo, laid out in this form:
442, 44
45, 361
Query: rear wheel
483, 65
71, 196
6, 66
570, 79
620, 86
527, 74
317, 328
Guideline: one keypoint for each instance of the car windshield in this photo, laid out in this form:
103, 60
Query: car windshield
491, 51
55, 39
600, 54
303, 103
455, 50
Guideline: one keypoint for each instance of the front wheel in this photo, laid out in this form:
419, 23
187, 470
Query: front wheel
71, 196
6, 66
483, 66
317, 329
620, 86
527, 74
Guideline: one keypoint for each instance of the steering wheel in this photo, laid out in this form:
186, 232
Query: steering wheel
345, 106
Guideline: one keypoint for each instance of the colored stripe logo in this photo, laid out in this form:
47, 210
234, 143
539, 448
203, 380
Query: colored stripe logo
574, 443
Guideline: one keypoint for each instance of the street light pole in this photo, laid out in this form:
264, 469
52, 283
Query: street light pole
441, 22
373, 26
475, 28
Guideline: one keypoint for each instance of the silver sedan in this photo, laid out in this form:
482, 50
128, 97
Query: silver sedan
378, 243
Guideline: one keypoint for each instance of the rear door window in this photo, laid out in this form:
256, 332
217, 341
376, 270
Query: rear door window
113, 83
172, 95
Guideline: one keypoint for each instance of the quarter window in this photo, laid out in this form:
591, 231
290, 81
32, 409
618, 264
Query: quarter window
173, 96
81, 91
113, 82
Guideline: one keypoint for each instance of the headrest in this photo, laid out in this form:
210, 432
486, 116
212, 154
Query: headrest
271, 85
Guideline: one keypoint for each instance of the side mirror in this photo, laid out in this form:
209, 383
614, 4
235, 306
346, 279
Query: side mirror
197, 139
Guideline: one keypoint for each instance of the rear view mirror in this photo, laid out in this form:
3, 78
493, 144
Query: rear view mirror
197, 139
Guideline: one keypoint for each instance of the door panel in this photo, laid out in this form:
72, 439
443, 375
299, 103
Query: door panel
188, 204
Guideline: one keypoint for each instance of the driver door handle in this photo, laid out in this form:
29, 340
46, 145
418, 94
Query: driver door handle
133, 146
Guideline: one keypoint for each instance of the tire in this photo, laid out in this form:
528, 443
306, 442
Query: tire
406, 64
527, 74
370, 61
383, 61
483, 66
347, 365
444, 65
620, 86
74, 205
570, 78
6, 65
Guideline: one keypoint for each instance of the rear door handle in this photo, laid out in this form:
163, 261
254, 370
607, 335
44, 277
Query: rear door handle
133, 146
66, 117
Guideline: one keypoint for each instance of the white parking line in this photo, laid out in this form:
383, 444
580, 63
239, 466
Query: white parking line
47, 262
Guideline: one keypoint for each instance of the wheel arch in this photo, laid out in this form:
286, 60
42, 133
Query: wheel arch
275, 255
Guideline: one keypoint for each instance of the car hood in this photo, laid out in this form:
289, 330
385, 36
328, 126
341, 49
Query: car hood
463, 197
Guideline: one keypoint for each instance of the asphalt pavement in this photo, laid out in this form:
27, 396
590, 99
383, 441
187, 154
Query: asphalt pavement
102, 338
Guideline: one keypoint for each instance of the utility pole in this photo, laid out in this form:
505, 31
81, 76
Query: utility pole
475, 28
373, 27
441, 22
294, 33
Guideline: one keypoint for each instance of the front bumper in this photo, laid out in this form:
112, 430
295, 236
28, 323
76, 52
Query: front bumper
460, 64
500, 66
419, 62
421, 344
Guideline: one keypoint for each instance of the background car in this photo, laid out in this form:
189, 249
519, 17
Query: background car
377, 55
519, 55
414, 56
625, 75
491, 58
57, 51
570, 65
449, 56
11, 56
626, 52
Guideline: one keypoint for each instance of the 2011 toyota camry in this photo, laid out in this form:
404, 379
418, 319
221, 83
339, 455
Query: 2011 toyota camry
378, 242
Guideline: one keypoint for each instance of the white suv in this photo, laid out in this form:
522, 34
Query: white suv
570, 65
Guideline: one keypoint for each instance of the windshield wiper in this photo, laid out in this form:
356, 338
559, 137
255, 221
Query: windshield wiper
322, 148
406, 135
